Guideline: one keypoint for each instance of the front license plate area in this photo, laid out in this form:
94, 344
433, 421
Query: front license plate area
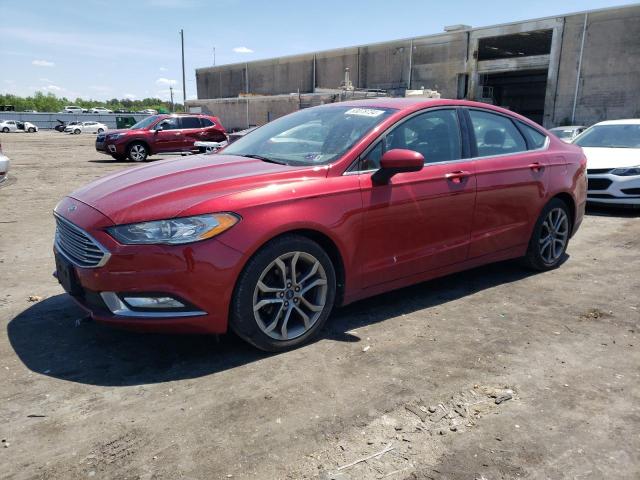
67, 277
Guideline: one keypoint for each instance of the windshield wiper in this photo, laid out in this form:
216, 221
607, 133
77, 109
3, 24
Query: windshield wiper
264, 159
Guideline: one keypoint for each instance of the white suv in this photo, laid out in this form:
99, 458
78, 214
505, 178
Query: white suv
100, 110
72, 109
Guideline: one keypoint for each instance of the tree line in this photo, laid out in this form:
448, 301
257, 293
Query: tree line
49, 102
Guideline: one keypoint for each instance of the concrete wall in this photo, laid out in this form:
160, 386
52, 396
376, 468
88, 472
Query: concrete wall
609, 85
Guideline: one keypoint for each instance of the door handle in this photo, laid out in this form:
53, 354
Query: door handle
457, 176
536, 166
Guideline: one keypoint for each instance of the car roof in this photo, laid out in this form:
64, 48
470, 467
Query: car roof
568, 127
624, 121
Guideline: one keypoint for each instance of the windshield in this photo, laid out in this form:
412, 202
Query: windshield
612, 136
563, 133
313, 136
144, 123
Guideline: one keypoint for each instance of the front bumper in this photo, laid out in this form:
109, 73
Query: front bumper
202, 275
605, 188
4, 167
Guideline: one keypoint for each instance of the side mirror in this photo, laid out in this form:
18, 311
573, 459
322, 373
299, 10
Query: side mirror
395, 161
159, 128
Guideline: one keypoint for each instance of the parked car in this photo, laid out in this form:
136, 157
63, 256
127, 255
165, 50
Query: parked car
73, 109
100, 110
7, 126
568, 133
149, 111
4, 166
613, 162
62, 125
86, 127
160, 134
209, 147
267, 237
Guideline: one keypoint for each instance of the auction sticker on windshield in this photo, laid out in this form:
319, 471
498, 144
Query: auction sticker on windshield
365, 112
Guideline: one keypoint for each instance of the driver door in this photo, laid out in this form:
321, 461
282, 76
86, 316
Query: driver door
169, 139
422, 220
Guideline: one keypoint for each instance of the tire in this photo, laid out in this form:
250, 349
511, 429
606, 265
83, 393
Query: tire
550, 237
137, 152
279, 324
5, 130
100, 130
32, 130
76, 131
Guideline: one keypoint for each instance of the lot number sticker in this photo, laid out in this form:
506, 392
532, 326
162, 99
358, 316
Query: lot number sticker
364, 112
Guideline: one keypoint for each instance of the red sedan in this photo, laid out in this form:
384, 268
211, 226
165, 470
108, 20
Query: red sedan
320, 208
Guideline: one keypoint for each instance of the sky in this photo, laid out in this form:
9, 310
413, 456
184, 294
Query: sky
105, 49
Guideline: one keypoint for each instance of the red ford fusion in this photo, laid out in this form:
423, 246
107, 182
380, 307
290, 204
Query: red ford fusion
317, 209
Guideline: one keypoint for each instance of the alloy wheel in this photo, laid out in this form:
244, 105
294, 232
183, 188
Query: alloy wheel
554, 235
138, 153
290, 295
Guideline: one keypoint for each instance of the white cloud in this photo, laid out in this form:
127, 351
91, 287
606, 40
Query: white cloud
130, 96
43, 63
45, 80
242, 50
52, 88
165, 82
163, 69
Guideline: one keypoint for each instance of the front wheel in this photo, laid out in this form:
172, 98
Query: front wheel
32, 130
76, 131
5, 130
550, 237
100, 130
284, 295
137, 152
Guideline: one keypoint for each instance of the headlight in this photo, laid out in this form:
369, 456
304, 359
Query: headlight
626, 172
174, 231
115, 136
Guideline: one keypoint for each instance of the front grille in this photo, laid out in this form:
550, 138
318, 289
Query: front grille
600, 195
100, 138
599, 183
631, 191
78, 246
598, 171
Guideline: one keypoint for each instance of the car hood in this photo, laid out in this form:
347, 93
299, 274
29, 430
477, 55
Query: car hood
611, 157
166, 188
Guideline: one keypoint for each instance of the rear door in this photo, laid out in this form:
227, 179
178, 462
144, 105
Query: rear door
512, 175
419, 221
191, 132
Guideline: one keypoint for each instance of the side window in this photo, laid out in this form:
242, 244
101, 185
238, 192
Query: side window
434, 134
170, 123
495, 134
190, 122
206, 122
535, 138
372, 160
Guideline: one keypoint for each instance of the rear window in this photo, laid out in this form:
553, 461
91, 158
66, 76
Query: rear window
206, 122
190, 122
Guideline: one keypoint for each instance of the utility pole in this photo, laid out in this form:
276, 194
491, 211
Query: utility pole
171, 91
184, 83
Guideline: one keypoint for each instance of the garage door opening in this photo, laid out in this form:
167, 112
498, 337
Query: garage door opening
521, 91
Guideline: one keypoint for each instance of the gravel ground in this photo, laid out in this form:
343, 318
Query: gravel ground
494, 373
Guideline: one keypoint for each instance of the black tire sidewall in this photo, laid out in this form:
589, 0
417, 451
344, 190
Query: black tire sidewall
241, 318
533, 257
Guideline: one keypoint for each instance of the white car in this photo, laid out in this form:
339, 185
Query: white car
72, 109
7, 126
100, 110
4, 166
86, 127
612, 149
209, 147
568, 133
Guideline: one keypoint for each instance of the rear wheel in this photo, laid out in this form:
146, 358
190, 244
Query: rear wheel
100, 130
550, 237
137, 152
32, 130
77, 131
284, 295
5, 130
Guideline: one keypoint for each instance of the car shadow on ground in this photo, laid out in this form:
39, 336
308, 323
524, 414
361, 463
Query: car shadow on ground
50, 340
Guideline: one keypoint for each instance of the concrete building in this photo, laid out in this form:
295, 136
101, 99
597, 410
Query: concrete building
571, 69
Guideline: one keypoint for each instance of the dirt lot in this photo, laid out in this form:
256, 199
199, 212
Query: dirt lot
80, 400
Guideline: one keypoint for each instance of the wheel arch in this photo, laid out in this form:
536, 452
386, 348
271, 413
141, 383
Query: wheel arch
139, 140
568, 199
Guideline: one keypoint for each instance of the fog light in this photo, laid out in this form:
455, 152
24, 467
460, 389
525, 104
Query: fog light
153, 302
112, 148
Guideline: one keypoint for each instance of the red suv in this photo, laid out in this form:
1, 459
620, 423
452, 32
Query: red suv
160, 134
322, 207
